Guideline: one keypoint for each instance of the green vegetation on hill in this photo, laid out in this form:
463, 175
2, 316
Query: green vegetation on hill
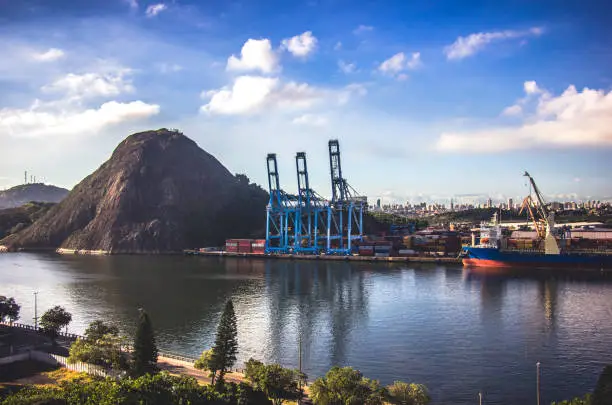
13, 220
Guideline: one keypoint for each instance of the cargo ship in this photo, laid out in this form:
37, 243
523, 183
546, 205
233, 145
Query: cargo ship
493, 251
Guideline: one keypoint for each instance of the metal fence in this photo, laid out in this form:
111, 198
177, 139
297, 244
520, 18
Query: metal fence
126, 348
86, 367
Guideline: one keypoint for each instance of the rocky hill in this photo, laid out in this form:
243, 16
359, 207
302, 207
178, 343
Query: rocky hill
24, 193
158, 192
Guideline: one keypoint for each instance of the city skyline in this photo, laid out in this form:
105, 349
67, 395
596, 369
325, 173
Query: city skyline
428, 101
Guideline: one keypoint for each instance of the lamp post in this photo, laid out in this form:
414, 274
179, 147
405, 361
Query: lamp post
480, 398
300, 368
35, 310
538, 383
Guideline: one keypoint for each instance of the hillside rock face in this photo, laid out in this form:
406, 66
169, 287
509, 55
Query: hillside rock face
22, 194
159, 192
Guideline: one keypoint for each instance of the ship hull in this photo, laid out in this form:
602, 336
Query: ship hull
491, 257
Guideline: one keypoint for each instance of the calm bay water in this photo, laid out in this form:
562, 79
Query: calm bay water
456, 331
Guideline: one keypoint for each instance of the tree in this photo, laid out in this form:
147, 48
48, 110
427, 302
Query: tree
9, 309
52, 321
97, 329
101, 346
586, 400
226, 343
145, 350
402, 393
346, 386
602, 395
278, 383
204, 362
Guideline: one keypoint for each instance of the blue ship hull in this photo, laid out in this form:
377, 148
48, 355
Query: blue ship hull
491, 257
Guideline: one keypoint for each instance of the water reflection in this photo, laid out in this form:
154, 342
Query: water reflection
457, 331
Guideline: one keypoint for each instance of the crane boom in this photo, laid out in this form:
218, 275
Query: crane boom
542, 209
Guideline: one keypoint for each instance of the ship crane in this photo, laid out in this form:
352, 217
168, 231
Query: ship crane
544, 225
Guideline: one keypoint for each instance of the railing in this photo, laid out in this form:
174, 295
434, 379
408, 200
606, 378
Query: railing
85, 367
127, 348
36, 329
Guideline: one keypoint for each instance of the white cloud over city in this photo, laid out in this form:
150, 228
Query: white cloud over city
575, 118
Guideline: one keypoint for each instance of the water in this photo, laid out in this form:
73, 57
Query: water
455, 331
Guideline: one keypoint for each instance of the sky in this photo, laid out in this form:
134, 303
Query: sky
428, 99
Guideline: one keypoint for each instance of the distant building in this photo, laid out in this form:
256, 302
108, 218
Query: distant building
489, 203
378, 203
510, 204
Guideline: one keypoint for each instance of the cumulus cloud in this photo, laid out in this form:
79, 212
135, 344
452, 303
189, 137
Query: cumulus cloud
46, 120
399, 63
90, 85
394, 64
155, 9
256, 54
49, 56
346, 67
473, 43
300, 45
572, 119
531, 87
363, 28
71, 105
338, 46
255, 94
311, 120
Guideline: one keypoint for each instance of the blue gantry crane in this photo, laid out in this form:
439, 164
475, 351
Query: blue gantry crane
345, 212
307, 223
280, 211
310, 216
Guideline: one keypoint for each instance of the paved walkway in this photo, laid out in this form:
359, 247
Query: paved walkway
174, 366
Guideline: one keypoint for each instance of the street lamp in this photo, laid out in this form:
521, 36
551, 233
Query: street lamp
480, 398
299, 401
35, 310
538, 382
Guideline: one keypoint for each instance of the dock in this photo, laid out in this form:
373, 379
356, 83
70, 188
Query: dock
355, 258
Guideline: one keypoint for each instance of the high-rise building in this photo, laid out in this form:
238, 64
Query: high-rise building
510, 204
489, 203
378, 203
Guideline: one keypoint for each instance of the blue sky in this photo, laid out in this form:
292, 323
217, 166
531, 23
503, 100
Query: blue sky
429, 99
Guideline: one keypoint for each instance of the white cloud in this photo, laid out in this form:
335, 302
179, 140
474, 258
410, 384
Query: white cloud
46, 120
300, 45
402, 77
362, 28
255, 94
512, 110
155, 9
88, 85
572, 119
399, 63
394, 64
256, 54
311, 120
338, 46
346, 67
531, 87
49, 56
415, 61
467, 46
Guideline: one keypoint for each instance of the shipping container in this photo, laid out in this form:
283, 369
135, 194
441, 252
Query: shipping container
381, 254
